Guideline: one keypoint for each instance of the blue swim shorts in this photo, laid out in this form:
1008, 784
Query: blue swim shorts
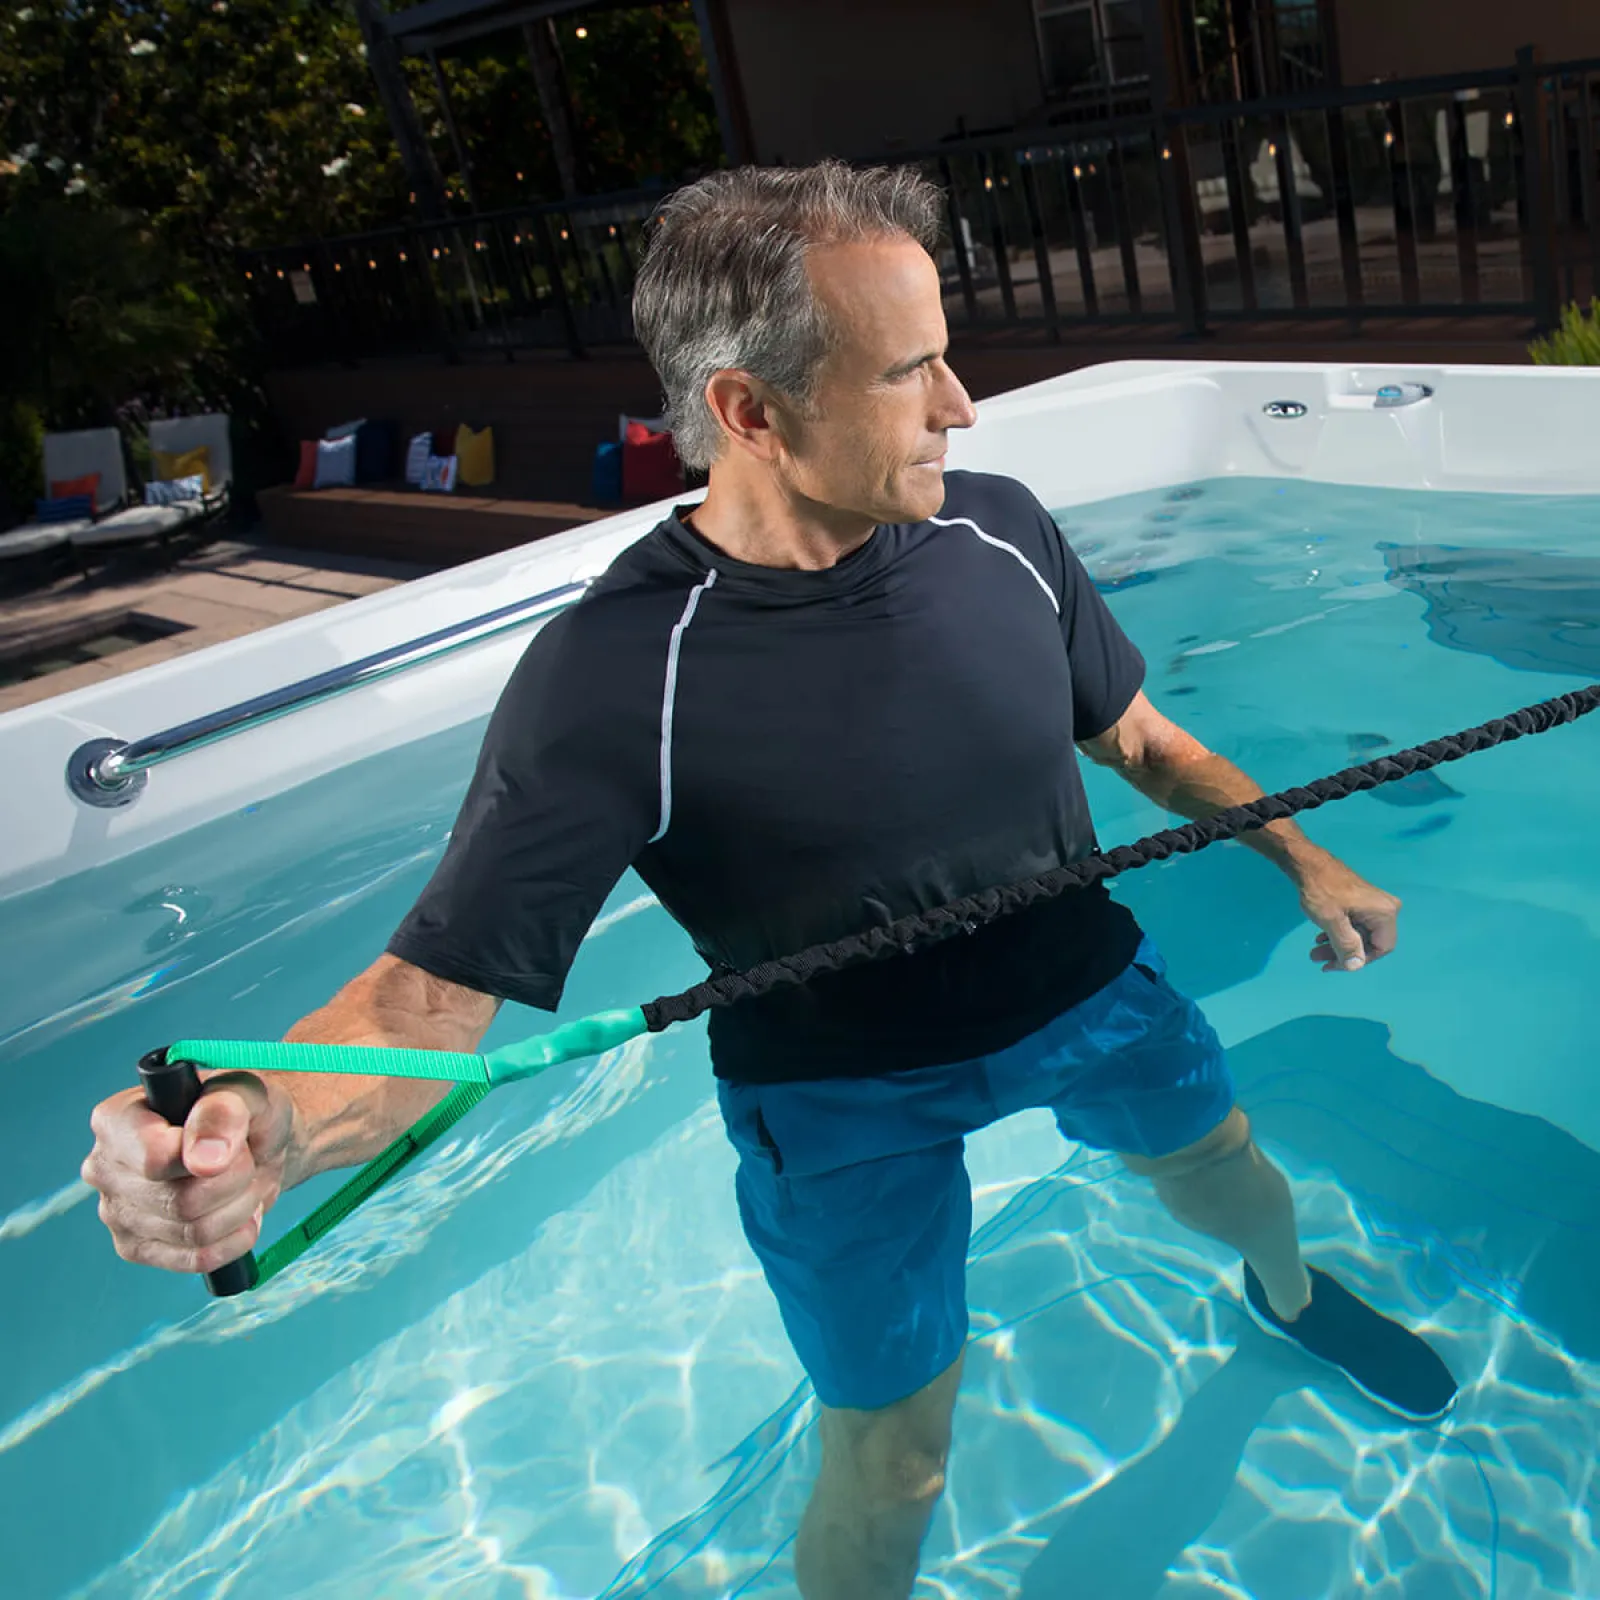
854, 1192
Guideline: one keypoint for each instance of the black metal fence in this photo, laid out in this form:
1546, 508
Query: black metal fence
1477, 193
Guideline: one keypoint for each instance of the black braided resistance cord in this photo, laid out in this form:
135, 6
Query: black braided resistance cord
926, 927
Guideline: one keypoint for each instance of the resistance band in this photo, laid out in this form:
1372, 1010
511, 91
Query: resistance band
172, 1081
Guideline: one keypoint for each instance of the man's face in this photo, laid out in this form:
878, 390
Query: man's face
875, 442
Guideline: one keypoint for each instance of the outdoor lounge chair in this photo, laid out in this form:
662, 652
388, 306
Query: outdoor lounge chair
69, 455
156, 524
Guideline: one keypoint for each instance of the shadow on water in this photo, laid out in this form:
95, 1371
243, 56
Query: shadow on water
1527, 610
1506, 1203
1172, 1494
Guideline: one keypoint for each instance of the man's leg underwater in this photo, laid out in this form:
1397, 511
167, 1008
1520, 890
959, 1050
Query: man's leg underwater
882, 1474
855, 1197
1224, 1187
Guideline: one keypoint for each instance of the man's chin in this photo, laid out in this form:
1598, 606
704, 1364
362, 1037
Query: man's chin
919, 493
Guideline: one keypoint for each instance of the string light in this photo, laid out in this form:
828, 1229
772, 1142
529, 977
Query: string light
580, 33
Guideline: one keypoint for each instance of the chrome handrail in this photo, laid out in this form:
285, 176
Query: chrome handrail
114, 772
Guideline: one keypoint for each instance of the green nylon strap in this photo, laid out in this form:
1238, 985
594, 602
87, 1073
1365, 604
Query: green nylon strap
250, 1055
366, 1183
473, 1075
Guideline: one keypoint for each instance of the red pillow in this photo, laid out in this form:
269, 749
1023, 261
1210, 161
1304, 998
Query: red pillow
70, 488
307, 474
650, 466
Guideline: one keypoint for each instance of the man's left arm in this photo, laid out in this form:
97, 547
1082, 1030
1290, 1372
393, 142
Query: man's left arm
1175, 770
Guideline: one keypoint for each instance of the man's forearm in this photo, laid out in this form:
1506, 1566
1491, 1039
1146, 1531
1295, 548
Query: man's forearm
342, 1120
1202, 784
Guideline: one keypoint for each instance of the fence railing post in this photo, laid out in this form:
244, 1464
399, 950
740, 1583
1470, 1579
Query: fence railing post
558, 285
1538, 209
1184, 260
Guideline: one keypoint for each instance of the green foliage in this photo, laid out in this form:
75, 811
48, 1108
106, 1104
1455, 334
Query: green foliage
97, 310
21, 455
640, 92
1576, 343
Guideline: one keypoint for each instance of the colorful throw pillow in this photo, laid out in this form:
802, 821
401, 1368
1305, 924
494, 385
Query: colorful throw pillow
172, 464
624, 422
336, 463
650, 466
375, 449
417, 453
439, 476
475, 453
306, 473
605, 482
67, 508
175, 492
71, 488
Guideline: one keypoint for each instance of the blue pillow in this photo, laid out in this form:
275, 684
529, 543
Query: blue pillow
175, 491
605, 484
70, 509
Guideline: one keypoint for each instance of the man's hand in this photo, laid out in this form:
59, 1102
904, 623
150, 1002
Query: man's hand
190, 1199
1358, 921
1175, 770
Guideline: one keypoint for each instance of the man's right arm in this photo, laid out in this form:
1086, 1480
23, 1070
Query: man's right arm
192, 1199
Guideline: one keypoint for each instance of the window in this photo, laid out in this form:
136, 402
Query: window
1090, 44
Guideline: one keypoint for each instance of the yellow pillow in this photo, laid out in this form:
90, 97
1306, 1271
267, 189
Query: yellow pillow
172, 464
475, 456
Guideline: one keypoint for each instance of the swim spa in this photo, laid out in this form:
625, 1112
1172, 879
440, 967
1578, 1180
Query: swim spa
543, 1362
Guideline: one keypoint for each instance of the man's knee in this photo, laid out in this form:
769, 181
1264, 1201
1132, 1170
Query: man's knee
1229, 1138
894, 1458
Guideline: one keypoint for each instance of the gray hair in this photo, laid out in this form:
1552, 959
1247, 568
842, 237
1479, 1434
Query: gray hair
723, 282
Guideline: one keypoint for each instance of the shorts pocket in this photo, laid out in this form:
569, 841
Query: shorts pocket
767, 1142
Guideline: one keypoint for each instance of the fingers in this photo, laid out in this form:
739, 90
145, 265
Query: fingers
187, 1223
129, 1136
189, 1199
1382, 932
1345, 945
218, 1129
201, 1246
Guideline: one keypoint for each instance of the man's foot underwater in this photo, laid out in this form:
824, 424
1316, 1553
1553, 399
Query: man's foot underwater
1389, 1364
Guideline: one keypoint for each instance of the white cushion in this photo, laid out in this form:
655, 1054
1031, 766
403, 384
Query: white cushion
136, 523
336, 463
417, 453
38, 536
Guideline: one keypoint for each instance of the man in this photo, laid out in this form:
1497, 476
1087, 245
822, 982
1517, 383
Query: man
844, 688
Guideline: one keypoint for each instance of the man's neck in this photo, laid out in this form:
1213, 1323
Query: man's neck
757, 521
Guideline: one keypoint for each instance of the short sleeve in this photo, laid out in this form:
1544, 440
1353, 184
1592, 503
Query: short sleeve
1107, 669
555, 813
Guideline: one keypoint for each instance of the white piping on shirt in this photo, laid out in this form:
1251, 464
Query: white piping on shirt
669, 694
1000, 544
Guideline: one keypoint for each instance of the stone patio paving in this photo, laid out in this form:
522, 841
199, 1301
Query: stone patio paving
227, 588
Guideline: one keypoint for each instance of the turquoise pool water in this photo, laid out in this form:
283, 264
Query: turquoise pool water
544, 1365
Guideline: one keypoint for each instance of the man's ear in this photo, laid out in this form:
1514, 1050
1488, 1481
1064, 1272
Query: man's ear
750, 416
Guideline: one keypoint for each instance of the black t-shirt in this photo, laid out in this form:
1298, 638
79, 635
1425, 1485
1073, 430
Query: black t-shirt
788, 757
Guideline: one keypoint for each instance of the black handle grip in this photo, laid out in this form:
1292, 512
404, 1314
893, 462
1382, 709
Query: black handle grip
170, 1090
